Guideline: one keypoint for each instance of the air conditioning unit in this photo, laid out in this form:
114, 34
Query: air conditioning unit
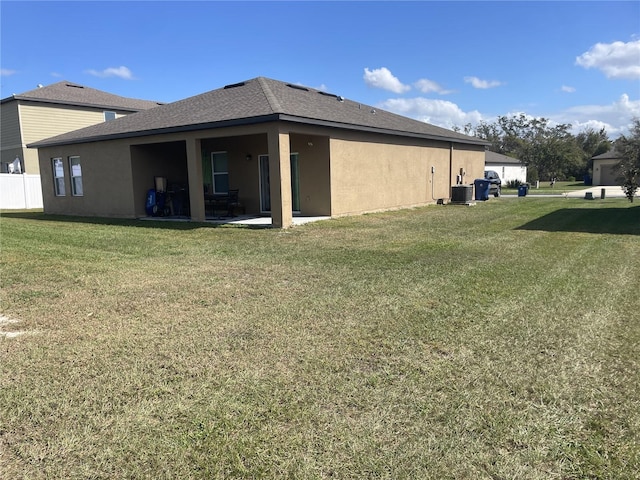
461, 194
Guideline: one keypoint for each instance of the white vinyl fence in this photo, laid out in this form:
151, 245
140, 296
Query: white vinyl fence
19, 192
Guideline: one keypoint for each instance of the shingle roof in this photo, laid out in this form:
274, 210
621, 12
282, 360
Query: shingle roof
610, 155
493, 157
256, 101
68, 93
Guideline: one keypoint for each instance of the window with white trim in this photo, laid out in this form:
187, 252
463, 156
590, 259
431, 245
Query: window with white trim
76, 176
58, 177
109, 116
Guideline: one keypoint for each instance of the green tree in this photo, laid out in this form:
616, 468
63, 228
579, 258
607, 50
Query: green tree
547, 151
552, 151
490, 132
629, 166
591, 143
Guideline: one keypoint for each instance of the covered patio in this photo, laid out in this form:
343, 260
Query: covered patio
242, 220
197, 177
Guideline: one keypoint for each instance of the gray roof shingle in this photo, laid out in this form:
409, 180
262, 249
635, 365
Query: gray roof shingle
255, 101
493, 157
610, 155
68, 93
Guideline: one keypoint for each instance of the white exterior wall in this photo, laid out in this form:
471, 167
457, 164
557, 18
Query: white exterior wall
509, 173
20, 192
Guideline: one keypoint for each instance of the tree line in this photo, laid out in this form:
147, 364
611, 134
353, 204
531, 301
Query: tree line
548, 151
553, 152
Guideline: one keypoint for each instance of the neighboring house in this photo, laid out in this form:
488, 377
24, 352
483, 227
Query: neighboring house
288, 149
52, 110
508, 168
604, 168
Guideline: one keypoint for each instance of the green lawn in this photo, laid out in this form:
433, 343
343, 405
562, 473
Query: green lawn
498, 341
545, 188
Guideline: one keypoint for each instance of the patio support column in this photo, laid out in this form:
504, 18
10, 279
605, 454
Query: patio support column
280, 178
194, 168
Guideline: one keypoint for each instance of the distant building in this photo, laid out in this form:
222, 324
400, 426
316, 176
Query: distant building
508, 168
52, 110
604, 168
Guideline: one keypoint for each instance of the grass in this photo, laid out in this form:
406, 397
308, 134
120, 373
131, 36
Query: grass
545, 188
496, 341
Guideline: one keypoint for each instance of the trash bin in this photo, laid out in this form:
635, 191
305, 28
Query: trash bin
522, 190
482, 188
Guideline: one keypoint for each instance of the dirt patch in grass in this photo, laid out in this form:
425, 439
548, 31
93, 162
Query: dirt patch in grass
7, 327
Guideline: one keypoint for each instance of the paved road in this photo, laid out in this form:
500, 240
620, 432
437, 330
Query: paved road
610, 192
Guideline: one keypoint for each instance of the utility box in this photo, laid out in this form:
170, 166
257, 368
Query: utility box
482, 189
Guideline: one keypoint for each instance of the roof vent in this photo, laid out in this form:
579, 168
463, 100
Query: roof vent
337, 97
40, 85
234, 85
298, 87
73, 85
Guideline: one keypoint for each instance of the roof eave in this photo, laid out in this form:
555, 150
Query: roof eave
75, 104
385, 131
254, 121
158, 131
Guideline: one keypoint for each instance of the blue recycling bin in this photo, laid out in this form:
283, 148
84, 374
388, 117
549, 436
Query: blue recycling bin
482, 188
522, 190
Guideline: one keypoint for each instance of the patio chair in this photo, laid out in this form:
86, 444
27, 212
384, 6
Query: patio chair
233, 202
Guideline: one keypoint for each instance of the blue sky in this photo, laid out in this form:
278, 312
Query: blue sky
446, 63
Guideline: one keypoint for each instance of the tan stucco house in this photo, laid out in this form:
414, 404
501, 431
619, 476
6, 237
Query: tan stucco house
51, 110
288, 150
604, 168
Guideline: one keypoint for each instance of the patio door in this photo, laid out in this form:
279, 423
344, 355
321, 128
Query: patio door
265, 184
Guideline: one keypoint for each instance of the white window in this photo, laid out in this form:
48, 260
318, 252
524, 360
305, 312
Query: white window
76, 176
109, 116
58, 177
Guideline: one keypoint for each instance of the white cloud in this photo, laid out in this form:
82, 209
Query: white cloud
436, 112
567, 89
5, 72
426, 86
483, 84
121, 72
383, 78
615, 117
615, 60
